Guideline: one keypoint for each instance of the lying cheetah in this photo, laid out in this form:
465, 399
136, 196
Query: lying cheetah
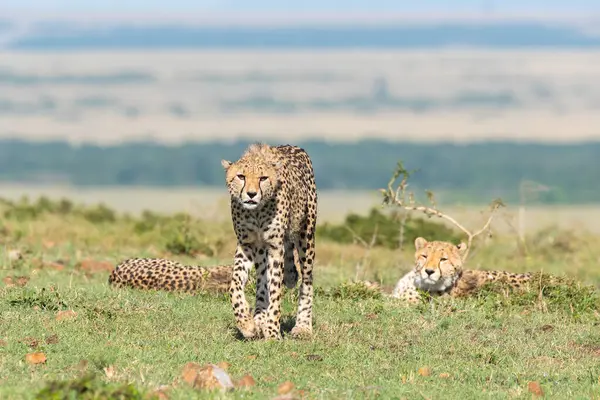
274, 211
161, 274
439, 271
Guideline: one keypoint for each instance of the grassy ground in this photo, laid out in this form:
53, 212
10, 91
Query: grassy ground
364, 346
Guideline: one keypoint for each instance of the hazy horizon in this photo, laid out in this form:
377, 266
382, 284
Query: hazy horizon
342, 95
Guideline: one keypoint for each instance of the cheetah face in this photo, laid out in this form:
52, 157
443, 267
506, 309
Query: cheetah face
437, 264
251, 184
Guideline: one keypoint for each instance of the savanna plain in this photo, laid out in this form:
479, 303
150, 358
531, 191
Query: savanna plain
61, 322
424, 95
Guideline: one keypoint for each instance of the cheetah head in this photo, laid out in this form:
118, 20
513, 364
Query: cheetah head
254, 178
438, 265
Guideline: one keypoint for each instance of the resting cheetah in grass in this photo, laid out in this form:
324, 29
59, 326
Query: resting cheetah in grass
274, 211
439, 271
161, 274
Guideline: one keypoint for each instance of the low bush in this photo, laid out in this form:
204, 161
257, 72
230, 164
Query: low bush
387, 229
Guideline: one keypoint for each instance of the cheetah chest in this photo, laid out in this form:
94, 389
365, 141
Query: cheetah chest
260, 230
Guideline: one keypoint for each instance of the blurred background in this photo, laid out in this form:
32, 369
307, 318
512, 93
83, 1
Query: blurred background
134, 103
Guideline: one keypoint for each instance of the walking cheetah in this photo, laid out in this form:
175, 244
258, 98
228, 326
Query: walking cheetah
274, 211
439, 271
161, 274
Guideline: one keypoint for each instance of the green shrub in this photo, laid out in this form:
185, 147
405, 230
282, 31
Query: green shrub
21, 210
546, 292
42, 298
149, 221
184, 236
89, 387
25, 210
387, 228
99, 214
352, 291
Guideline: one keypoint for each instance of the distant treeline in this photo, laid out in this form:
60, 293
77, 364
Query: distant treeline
473, 172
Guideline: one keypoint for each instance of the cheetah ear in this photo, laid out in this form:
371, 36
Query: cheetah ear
462, 247
226, 164
420, 243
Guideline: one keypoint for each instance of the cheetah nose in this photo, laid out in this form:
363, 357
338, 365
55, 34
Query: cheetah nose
429, 271
251, 194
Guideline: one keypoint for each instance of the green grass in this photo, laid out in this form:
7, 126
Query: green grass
364, 345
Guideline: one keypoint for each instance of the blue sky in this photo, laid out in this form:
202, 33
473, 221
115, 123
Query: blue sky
309, 6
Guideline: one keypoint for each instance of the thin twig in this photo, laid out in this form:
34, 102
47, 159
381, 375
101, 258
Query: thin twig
367, 246
397, 196
355, 236
402, 229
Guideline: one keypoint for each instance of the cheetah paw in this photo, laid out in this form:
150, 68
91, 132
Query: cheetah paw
248, 329
271, 334
301, 332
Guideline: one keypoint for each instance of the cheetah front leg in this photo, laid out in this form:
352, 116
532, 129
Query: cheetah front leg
262, 290
290, 273
271, 328
405, 285
410, 296
243, 262
306, 258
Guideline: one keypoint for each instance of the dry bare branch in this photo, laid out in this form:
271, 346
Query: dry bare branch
399, 196
367, 246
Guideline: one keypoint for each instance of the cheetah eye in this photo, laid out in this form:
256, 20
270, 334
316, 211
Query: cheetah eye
443, 259
241, 177
263, 178
424, 256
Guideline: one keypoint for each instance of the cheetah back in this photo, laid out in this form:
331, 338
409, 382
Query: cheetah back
473, 280
300, 180
169, 275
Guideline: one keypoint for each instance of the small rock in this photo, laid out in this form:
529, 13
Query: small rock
161, 392
35, 358
30, 341
208, 377
55, 265
52, 339
285, 387
11, 281
22, 280
314, 357
535, 388
110, 371
61, 315
224, 365
14, 255
48, 244
246, 382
